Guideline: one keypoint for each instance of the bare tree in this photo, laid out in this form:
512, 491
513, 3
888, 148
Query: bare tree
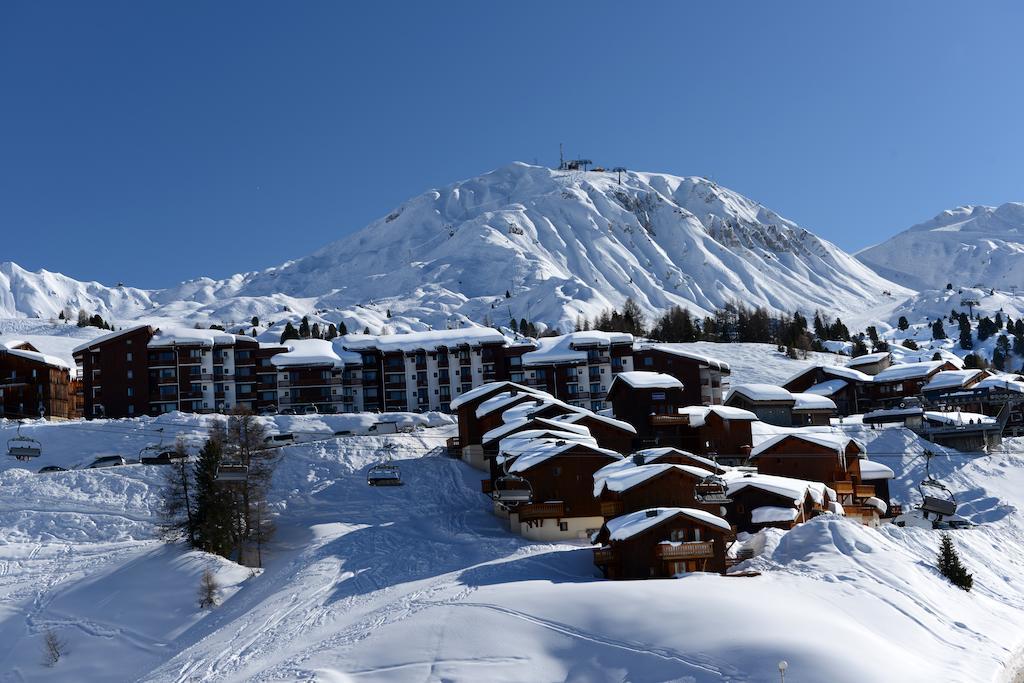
53, 647
209, 590
177, 506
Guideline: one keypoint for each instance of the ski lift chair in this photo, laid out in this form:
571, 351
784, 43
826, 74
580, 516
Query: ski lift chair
936, 498
512, 490
231, 472
711, 490
384, 475
24, 447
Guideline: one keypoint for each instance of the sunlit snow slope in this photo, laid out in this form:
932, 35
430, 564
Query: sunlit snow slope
560, 244
966, 246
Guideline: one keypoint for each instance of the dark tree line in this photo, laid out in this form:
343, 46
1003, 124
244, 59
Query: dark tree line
314, 331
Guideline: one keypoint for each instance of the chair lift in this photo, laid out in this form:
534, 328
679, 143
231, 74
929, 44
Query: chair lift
936, 498
231, 471
711, 490
24, 447
510, 489
386, 473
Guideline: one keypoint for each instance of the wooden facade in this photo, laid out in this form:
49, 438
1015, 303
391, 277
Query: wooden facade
672, 487
675, 546
33, 385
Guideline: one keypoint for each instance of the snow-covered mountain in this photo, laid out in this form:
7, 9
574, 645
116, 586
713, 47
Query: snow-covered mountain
560, 244
969, 245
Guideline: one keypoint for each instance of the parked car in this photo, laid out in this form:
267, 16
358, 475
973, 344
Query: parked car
52, 468
279, 439
287, 411
165, 458
309, 410
268, 410
108, 461
343, 432
383, 428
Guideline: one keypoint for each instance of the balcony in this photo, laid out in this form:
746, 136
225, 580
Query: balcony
310, 382
189, 360
190, 395
595, 360
172, 379
864, 490
685, 550
843, 488
263, 384
541, 511
668, 420
578, 395
605, 556
611, 508
245, 395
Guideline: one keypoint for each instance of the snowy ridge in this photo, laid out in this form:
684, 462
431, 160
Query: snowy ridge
969, 245
561, 244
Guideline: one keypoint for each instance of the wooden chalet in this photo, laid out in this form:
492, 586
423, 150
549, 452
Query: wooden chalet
628, 489
465, 407
902, 380
848, 388
704, 379
825, 458
676, 456
649, 401
616, 435
33, 384
811, 409
662, 542
770, 403
561, 476
758, 501
871, 363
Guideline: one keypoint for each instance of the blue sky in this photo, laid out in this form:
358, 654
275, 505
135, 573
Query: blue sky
154, 142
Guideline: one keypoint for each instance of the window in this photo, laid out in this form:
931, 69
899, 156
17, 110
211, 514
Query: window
128, 356
131, 391
131, 409
563, 526
648, 361
131, 374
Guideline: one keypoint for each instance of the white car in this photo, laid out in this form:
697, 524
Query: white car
916, 518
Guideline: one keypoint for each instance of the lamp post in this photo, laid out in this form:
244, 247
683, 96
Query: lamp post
783, 665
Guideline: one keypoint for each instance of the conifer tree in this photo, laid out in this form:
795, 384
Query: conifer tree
903, 323
950, 565
938, 331
304, 328
342, 328
332, 332
177, 505
213, 518
289, 332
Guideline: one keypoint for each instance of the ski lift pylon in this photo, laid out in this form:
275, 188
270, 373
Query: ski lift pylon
23, 447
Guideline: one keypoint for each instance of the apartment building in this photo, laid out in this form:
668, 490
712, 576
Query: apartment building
143, 370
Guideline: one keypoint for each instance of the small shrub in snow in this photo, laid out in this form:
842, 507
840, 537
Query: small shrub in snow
951, 567
209, 590
53, 648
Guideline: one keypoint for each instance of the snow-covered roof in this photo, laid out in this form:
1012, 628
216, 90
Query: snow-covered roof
521, 442
958, 417
1004, 382
871, 470
786, 487
683, 353
11, 349
187, 336
868, 359
541, 422
581, 414
425, 341
698, 414
566, 348
308, 353
505, 398
903, 371
760, 392
827, 388
628, 477
771, 513
651, 455
809, 401
629, 525
490, 387
639, 379
951, 379
107, 337
544, 450
835, 442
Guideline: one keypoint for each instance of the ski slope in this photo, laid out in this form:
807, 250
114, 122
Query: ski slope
422, 582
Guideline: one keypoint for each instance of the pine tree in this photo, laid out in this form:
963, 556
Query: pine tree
966, 340
255, 322
910, 344
389, 313
342, 328
289, 332
633, 319
332, 332
903, 323
304, 328
366, 330
950, 565
524, 327
212, 518
938, 331
314, 332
